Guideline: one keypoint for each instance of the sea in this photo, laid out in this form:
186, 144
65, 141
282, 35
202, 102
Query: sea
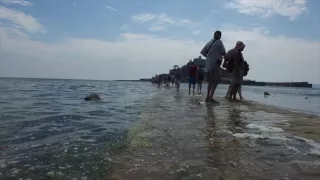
47, 130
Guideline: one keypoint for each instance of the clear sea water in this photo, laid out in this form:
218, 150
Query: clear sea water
47, 129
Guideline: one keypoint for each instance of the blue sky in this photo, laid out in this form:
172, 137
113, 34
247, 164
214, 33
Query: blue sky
122, 39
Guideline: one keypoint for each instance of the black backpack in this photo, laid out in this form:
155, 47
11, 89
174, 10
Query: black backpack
246, 68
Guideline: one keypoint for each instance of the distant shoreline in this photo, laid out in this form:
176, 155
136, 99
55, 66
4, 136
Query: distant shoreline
257, 83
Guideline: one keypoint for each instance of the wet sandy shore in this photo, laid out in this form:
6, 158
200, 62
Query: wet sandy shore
183, 138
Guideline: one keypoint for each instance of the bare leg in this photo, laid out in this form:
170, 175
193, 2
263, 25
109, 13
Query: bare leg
194, 86
239, 92
229, 91
214, 87
209, 91
235, 90
232, 89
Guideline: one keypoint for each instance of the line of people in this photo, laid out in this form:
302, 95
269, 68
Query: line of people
196, 76
166, 80
215, 53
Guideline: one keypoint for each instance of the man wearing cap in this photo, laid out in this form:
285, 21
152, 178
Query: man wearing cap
235, 57
213, 51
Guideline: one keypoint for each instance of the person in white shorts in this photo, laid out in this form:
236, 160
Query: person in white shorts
178, 77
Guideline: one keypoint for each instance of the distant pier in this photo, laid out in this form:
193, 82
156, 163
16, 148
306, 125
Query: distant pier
225, 77
257, 83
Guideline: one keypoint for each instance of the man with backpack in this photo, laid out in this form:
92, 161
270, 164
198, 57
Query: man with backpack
235, 65
213, 51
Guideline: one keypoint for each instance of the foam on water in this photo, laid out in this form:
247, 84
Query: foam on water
264, 128
247, 135
314, 147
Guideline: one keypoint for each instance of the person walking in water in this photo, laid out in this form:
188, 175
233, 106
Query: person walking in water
200, 77
192, 76
235, 65
239, 47
214, 50
159, 80
178, 76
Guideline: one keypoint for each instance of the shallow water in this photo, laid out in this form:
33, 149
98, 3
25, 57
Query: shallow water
139, 131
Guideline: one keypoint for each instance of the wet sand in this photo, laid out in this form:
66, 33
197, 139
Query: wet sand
183, 138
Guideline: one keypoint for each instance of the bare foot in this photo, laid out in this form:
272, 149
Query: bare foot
235, 100
214, 101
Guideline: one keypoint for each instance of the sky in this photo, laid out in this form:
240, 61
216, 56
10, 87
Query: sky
128, 39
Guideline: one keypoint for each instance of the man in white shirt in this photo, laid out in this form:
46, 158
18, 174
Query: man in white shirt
214, 50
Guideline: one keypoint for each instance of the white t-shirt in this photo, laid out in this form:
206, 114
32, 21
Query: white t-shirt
215, 53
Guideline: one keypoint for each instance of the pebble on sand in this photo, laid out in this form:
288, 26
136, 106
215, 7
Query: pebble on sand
51, 173
15, 171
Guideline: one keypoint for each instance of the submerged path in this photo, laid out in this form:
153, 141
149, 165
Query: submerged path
179, 137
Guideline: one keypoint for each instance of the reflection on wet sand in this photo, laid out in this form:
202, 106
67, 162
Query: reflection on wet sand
178, 137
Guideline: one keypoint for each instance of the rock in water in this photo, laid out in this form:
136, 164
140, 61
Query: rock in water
92, 97
266, 94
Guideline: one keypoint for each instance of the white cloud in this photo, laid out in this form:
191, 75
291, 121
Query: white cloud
165, 19
143, 18
111, 8
132, 36
196, 32
123, 27
132, 56
157, 28
19, 2
161, 22
265, 8
21, 20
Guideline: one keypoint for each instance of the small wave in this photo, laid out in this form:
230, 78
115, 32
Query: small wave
260, 136
264, 128
247, 135
315, 147
315, 152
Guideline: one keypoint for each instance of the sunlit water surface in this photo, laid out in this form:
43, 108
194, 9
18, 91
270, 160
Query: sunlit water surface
47, 130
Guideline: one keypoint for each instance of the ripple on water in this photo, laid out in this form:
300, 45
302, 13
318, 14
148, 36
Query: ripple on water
50, 130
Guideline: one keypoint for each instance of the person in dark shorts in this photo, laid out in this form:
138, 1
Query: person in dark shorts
200, 77
192, 76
